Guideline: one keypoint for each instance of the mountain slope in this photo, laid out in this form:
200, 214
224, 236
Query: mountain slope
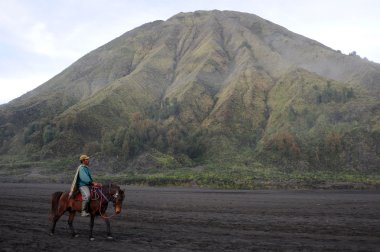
208, 86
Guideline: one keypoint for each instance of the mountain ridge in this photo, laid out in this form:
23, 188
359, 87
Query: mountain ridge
201, 87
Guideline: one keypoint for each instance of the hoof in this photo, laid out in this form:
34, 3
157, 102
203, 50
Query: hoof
75, 235
51, 234
110, 238
92, 239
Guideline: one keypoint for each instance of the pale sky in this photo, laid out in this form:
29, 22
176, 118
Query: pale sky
40, 38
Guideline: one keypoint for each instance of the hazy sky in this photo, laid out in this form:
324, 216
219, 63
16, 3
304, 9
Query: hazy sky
40, 38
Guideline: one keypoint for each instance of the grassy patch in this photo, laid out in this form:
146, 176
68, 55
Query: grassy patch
257, 177
212, 175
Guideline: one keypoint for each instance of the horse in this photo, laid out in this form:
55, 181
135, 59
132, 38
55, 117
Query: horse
100, 197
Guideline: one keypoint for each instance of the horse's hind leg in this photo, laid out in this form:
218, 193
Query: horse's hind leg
54, 222
55, 218
70, 222
56, 210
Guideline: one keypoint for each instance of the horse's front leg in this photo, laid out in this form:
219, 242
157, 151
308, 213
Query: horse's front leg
92, 226
70, 222
108, 225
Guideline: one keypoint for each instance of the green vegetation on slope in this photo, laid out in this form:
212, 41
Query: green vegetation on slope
220, 99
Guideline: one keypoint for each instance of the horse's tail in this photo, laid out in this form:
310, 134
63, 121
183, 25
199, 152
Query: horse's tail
54, 203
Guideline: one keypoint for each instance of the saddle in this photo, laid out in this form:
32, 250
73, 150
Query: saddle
94, 194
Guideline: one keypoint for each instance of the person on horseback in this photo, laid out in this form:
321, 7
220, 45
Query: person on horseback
83, 181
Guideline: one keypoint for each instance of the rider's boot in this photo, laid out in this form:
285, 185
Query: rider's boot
84, 212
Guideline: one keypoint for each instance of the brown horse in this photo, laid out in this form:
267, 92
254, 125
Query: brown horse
100, 197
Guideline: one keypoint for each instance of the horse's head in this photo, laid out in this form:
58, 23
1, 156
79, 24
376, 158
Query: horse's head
117, 197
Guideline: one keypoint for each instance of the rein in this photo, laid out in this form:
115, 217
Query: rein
103, 197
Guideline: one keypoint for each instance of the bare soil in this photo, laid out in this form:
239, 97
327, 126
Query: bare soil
184, 219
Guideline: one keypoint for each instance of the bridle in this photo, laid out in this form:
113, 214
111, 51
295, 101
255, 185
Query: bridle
103, 197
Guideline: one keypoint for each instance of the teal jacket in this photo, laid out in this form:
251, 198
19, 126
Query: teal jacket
84, 176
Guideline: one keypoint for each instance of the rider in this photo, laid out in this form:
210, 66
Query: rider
83, 181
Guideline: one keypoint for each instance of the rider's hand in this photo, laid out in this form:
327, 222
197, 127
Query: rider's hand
95, 184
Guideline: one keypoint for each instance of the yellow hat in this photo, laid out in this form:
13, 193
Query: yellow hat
83, 157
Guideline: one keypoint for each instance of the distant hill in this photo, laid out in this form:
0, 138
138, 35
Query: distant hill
208, 87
